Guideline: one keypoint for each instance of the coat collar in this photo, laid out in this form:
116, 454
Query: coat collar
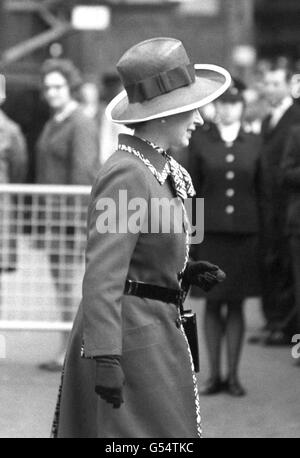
215, 133
4, 120
284, 120
67, 112
154, 157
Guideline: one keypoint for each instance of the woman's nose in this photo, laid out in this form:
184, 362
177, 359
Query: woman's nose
198, 118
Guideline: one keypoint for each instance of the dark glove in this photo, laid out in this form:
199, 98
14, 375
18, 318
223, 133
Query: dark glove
110, 379
203, 274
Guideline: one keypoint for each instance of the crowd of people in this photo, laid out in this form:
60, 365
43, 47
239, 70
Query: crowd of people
245, 162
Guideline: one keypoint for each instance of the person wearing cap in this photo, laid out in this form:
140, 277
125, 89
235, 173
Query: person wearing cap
128, 371
224, 169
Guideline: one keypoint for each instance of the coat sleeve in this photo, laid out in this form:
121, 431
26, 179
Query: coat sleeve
18, 156
108, 257
290, 165
85, 152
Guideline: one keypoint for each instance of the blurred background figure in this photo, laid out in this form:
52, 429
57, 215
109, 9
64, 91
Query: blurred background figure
276, 269
67, 154
108, 131
256, 109
208, 112
13, 150
256, 105
13, 169
89, 98
291, 182
295, 82
224, 163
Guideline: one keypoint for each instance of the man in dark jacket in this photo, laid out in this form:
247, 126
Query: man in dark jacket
276, 263
291, 182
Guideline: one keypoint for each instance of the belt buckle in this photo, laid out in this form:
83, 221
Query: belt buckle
179, 297
132, 287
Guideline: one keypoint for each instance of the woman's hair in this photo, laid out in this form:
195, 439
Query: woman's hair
67, 69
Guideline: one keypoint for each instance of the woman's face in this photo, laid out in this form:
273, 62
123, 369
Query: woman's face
229, 112
181, 126
56, 91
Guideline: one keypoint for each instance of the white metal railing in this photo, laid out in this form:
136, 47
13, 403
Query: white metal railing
42, 242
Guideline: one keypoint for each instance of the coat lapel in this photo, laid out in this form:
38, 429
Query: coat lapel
269, 131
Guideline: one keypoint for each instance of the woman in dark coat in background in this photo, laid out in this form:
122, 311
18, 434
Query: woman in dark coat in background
136, 377
224, 167
67, 154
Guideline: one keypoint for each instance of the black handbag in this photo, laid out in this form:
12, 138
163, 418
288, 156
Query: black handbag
189, 322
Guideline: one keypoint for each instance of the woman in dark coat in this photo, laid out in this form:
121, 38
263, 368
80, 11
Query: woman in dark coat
67, 154
135, 376
224, 168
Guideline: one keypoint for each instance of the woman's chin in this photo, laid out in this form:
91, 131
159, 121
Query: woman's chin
185, 142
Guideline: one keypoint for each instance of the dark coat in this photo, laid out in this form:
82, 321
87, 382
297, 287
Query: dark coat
291, 180
276, 266
68, 151
274, 197
226, 176
13, 169
13, 151
67, 154
159, 389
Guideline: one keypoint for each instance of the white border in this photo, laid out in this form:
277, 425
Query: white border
193, 106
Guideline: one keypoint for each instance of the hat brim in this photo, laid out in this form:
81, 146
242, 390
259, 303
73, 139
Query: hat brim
2, 89
211, 82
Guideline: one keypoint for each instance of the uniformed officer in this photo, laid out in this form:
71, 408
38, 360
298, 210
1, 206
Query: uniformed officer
224, 168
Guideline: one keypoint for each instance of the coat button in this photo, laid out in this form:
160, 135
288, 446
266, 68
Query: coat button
229, 158
230, 192
229, 209
230, 175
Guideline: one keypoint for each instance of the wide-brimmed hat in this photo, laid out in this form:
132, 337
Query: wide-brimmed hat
160, 81
2, 88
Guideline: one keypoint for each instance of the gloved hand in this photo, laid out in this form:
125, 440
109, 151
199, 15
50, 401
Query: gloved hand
110, 379
203, 274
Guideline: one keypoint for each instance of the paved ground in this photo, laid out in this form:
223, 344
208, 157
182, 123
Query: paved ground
271, 409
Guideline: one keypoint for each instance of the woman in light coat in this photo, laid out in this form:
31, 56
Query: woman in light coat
135, 376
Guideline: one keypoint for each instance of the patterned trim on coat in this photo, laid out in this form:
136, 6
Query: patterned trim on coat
183, 187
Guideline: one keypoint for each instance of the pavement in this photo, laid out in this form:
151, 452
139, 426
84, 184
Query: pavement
271, 408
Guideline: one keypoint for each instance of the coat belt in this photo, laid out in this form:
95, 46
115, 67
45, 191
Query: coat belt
160, 293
